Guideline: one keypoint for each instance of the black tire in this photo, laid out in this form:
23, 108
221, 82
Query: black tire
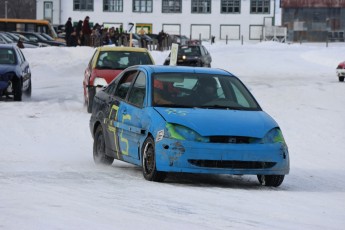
17, 90
271, 180
341, 78
28, 90
99, 155
149, 162
89, 102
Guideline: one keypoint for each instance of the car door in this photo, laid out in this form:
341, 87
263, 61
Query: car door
119, 114
88, 70
206, 56
132, 117
25, 69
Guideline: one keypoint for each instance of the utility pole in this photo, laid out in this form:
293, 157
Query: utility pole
6, 9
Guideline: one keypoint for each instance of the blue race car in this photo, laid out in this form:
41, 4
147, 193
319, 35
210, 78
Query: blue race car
15, 74
186, 119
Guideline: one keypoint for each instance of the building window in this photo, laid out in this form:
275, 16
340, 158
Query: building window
171, 6
230, 6
83, 5
201, 6
143, 6
113, 5
260, 6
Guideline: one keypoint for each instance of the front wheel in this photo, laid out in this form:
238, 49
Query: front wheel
149, 162
271, 180
341, 78
28, 90
99, 155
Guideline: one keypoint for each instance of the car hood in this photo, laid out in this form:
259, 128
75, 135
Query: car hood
341, 65
7, 68
107, 74
215, 122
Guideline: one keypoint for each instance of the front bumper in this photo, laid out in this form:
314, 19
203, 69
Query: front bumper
196, 157
341, 72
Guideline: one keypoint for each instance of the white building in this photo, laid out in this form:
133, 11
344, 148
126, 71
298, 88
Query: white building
224, 19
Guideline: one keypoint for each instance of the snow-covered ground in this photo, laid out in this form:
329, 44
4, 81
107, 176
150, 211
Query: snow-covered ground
48, 179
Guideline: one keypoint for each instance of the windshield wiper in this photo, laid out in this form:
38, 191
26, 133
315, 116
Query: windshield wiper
223, 107
173, 106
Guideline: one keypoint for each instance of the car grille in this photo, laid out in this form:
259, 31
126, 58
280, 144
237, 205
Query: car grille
231, 139
188, 63
232, 164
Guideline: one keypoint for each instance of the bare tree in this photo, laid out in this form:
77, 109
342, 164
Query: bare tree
18, 9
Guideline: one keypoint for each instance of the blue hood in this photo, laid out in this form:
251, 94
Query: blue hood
7, 68
215, 122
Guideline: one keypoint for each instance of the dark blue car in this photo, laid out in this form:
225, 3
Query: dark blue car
15, 74
186, 119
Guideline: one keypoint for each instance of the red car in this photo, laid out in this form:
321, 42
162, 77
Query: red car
341, 71
106, 63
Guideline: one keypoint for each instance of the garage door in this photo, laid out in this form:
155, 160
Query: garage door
201, 31
171, 29
231, 32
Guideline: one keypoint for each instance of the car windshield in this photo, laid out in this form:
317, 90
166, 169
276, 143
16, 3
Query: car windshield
6, 38
7, 56
47, 37
189, 51
191, 90
122, 59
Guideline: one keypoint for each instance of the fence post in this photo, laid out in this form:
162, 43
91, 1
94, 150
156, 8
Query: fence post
226, 39
242, 40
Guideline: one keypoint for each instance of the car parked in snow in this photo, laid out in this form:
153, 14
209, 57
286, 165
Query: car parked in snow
341, 71
190, 120
106, 63
179, 39
15, 74
38, 38
192, 55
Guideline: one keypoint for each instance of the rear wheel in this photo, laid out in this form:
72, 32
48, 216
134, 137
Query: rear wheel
149, 162
271, 180
99, 155
341, 78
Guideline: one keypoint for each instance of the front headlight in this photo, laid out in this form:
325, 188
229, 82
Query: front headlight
273, 136
100, 82
180, 132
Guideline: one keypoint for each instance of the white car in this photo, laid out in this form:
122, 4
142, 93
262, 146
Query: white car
341, 71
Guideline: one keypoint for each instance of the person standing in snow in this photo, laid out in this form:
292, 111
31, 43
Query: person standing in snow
79, 32
86, 31
68, 30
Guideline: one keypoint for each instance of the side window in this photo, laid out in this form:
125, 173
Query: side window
137, 94
21, 55
92, 60
111, 87
205, 50
202, 50
124, 84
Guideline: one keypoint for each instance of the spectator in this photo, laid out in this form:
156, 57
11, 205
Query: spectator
68, 30
20, 43
160, 39
74, 38
86, 31
80, 33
